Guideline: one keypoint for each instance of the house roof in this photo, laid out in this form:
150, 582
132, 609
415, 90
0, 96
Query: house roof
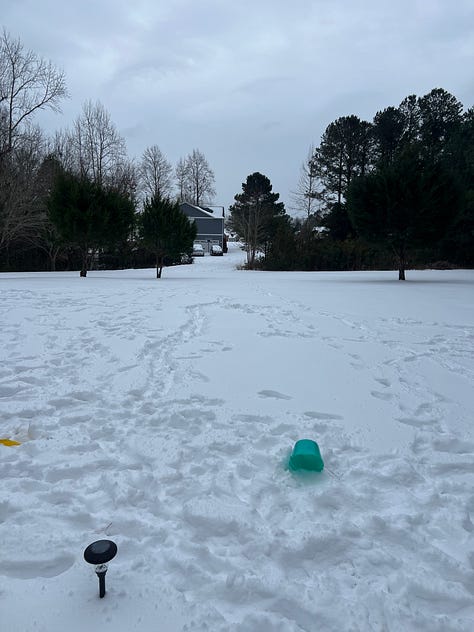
196, 211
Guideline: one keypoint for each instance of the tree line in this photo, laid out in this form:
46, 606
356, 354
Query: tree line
65, 197
398, 190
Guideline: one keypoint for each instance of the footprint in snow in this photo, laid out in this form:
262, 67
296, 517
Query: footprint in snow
313, 414
9, 391
273, 394
32, 569
379, 395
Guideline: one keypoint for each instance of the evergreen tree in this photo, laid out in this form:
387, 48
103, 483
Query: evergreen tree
410, 111
88, 216
337, 222
458, 245
165, 230
343, 154
404, 205
440, 118
388, 128
432, 132
254, 216
281, 250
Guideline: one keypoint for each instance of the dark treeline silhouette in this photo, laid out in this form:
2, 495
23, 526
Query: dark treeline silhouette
397, 191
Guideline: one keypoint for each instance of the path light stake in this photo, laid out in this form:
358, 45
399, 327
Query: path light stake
99, 553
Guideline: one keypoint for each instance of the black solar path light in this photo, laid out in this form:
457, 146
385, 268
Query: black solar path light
100, 553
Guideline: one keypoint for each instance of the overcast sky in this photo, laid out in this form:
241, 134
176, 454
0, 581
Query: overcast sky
251, 84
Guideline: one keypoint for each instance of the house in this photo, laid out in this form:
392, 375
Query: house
210, 227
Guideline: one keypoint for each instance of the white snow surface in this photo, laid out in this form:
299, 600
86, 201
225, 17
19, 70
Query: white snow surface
160, 414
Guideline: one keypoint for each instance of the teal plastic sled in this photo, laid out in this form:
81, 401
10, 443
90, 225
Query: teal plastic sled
306, 456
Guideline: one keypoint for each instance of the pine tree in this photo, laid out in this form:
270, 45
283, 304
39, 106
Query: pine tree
343, 154
254, 216
388, 128
88, 216
440, 119
403, 205
165, 230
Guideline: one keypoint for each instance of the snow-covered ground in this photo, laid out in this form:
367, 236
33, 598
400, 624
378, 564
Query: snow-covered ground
161, 414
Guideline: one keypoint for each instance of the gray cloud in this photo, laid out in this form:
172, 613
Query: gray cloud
251, 84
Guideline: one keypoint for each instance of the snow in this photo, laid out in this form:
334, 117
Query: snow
160, 414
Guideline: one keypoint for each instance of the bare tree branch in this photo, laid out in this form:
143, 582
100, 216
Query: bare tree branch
155, 173
27, 83
195, 179
99, 150
307, 196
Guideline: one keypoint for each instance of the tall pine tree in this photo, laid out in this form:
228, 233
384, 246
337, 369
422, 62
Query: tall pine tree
255, 216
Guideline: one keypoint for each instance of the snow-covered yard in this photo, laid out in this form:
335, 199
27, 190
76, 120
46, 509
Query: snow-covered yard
161, 414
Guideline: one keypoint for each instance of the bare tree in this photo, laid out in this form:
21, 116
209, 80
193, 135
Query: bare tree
124, 179
21, 216
182, 181
27, 83
195, 179
61, 146
99, 150
156, 173
201, 178
307, 196
3, 130
45, 237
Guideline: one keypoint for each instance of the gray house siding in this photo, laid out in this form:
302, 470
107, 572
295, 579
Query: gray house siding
210, 228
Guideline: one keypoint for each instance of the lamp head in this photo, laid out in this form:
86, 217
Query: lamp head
100, 552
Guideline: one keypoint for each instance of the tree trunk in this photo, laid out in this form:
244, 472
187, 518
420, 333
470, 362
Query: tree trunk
251, 257
339, 177
159, 266
7, 257
83, 272
401, 264
53, 254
